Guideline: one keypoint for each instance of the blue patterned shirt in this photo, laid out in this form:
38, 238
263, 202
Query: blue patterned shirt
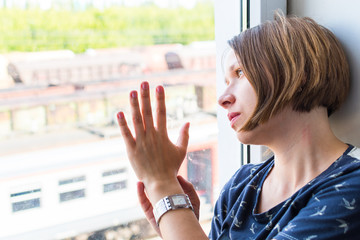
328, 207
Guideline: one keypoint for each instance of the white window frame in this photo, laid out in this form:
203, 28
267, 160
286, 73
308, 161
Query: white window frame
230, 18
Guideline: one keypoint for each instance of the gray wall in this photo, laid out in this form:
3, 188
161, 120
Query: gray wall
343, 18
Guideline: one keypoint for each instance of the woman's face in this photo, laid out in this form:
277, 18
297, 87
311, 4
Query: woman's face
239, 98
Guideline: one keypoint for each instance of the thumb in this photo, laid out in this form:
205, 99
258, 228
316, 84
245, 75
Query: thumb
185, 185
183, 139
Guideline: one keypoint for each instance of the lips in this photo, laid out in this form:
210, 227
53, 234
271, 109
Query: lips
233, 116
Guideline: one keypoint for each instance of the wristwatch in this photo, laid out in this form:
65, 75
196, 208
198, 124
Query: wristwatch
171, 202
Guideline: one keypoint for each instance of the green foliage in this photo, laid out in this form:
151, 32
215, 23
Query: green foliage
36, 30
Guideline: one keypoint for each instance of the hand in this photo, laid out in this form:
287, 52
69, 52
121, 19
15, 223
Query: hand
148, 209
154, 158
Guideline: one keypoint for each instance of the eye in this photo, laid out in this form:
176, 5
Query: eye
239, 72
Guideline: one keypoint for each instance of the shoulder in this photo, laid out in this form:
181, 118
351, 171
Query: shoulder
339, 187
345, 171
347, 165
353, 153
329, 206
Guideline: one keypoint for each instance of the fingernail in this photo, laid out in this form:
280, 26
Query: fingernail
120, 115
145, 85
159, 89
133, 94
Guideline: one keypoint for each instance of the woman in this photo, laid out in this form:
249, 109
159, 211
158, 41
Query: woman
284, 79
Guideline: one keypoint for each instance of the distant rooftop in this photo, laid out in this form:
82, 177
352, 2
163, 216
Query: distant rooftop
50, 68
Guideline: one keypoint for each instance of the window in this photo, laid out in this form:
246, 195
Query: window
200, 170
27, 204
25, 200
109, 187
67, 196
72, 188
63, 83
72, 180
115, 180
114, 172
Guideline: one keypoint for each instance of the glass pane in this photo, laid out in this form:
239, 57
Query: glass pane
27, 204
72, 180
114, 186
66, 69
200, 173
67, 196
114, 172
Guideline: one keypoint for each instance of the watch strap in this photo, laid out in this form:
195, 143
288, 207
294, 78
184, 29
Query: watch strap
167, 203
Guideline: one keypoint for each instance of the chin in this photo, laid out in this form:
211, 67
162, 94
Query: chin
245, 137
249, 137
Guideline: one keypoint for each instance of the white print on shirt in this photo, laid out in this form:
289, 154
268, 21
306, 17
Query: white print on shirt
343, 224
349, 205
319, 212
337, 186
311, 237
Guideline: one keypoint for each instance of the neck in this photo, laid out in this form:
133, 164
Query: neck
306, 147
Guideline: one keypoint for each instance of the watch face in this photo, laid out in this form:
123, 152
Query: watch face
179, 200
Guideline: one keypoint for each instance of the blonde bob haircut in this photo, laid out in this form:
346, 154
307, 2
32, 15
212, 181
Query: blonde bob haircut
292, 61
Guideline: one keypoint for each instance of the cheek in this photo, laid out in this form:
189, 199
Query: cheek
249, 98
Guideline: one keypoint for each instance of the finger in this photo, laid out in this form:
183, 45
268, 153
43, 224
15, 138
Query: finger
144, 201
147, 207
125, 131
185, 185
183, 139
191, 192
136, 115
146, 106
189, 189
160, 110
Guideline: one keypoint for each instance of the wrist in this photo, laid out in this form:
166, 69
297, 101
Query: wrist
157, 190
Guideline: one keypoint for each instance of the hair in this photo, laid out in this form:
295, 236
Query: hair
292, 61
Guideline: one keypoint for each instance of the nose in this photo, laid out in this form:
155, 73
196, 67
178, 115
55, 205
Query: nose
226, 100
